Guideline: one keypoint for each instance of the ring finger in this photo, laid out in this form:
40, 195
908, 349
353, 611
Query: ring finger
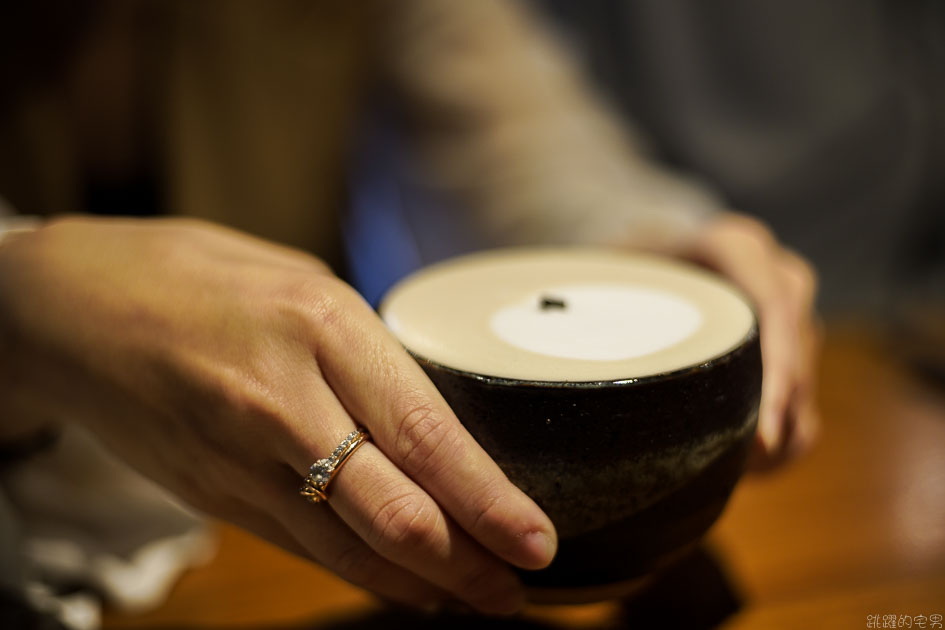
398, 519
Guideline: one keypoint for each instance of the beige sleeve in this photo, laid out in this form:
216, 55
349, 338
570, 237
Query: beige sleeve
502, 121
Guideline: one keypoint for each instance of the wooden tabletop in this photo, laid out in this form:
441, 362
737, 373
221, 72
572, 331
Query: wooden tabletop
856, 529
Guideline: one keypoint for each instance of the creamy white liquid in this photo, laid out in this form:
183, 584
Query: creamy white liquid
596, 322
610, 315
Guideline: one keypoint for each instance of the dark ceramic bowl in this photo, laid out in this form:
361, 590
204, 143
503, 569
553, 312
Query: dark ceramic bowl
630, 472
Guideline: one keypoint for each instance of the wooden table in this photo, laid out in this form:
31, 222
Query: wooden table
857, 528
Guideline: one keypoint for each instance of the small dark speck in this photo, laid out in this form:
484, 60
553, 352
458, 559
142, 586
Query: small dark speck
549, 302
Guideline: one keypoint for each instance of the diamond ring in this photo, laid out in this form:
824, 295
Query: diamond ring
323, 471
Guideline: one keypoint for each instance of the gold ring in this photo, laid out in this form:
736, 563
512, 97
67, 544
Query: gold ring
323, 471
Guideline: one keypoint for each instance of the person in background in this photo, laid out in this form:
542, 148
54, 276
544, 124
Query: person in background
825, 121
221, 364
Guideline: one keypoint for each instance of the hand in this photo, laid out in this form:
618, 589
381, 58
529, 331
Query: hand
782, 286
223, 366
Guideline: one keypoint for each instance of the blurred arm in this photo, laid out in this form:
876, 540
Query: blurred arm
503, 123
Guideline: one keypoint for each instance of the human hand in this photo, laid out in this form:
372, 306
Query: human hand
782, 286
223, 366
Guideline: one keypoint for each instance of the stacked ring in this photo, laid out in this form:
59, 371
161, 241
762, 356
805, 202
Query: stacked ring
323, 471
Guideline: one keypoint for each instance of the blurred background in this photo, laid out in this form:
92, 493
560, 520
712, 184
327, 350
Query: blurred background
385, 136
824, 121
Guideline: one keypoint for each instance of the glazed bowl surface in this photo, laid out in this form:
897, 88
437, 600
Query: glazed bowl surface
632, 469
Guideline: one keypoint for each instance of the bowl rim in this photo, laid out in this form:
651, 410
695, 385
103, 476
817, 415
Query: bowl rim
750, 337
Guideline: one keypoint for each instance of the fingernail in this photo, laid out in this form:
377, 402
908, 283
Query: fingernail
768, 431
768, 439
539, 550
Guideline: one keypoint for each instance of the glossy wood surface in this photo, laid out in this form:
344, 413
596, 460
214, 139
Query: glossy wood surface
856, 528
